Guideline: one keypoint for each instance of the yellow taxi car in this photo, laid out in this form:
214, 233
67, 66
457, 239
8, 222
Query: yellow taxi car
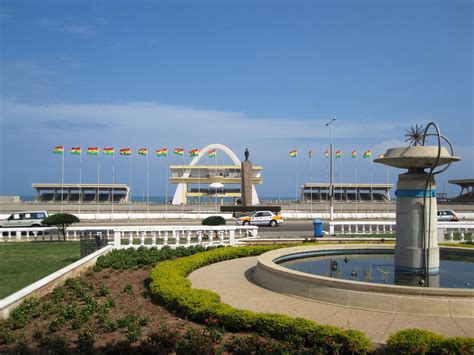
261, 218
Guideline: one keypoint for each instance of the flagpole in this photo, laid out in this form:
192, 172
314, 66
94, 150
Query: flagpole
98, 179
340, 161
147, 184
80, 181
62, 183
327, 177
113, 183
166, 183
357, 197
215, 161
311, 180
296, 190
371, 187
130, 184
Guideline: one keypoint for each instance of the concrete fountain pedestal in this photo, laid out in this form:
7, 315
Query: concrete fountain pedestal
416, 250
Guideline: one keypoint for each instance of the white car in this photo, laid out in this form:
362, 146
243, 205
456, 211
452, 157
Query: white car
447, 215
260, 218
24, 219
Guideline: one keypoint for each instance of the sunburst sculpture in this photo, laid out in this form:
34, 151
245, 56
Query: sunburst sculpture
415, 135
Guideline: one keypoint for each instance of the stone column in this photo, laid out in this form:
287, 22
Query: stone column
246, 185
409, 252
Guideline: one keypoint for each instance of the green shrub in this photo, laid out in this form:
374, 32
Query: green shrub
121, 259
213, 221
417, 341
170, 286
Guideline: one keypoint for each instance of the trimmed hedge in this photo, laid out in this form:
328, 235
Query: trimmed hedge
417, 341
170, 286
213, 221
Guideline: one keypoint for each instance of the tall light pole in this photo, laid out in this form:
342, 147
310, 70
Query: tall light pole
331, 185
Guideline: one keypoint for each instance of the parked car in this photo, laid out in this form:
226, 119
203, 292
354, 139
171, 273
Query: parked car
24, 219
447, 215
260, 218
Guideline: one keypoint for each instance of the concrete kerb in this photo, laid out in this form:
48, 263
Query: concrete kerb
387, 298
48, 283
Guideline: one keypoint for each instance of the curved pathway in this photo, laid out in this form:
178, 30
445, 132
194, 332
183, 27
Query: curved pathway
232, 280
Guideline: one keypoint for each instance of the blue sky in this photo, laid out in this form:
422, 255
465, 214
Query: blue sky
263, 75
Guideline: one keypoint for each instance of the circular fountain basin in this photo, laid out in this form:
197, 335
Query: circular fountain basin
455, 302
417, 157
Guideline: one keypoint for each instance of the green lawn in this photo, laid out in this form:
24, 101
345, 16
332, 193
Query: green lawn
24, 263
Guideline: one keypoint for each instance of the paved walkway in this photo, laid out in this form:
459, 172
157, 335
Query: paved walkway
232, 280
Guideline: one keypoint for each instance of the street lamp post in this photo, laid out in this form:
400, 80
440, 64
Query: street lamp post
331, 185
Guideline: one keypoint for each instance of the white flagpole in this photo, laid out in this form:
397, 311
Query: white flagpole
98, 180
80, 181
311, 180
356, 182
166, 183
147, 184
62, 182
340, 161
130, 183
371, 187
327, 177
296, 189
113, 182
199, 190
215, 160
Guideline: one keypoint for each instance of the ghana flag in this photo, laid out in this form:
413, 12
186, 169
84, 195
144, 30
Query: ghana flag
76, 151
125, 151
108, 151
338, 153
143, 151
162, 152
354, 154
93, 151
381, 155
59, 149
368, 154
294, 153
194, 153
212, 153
326, 153
178, 151
310, 153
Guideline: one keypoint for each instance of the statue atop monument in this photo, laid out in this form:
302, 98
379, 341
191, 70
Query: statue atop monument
247, 154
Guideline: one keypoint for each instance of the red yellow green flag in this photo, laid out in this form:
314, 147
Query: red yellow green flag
125, 151
294, 153
354, 154
76, 151
108, 151
93, 151
194, 152
338, 153
59, 149
162, 152
143, 151
326, 153
368, 154
381, 155
178, 151
310, 153
212, 153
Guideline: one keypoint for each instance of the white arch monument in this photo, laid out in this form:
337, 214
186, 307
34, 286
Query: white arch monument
180, 193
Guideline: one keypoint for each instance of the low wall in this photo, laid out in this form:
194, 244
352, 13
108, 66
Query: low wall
48, 283
443, 302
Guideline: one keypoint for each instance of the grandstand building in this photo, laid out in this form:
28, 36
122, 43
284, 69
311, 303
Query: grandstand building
83, 193
467, 190
319, 192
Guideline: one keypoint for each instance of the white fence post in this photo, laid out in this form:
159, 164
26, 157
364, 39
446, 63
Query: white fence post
117, 239
232, 237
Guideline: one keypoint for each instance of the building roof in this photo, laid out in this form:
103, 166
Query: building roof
462, 182
213, 167
348, 185
77, 186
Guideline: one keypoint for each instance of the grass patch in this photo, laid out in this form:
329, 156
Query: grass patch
25, 263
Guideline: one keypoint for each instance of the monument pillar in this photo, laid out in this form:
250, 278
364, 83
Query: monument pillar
246, 185
412, 219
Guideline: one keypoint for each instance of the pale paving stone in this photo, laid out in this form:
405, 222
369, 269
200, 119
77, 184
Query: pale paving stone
232, 281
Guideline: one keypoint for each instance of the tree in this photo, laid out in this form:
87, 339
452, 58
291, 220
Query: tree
61, 220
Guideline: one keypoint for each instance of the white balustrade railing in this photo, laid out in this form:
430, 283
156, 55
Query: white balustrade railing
361, 227
455, 232
175, 236
447, 231
135, 236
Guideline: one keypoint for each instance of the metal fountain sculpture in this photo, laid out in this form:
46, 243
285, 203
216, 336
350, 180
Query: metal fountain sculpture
416, 250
